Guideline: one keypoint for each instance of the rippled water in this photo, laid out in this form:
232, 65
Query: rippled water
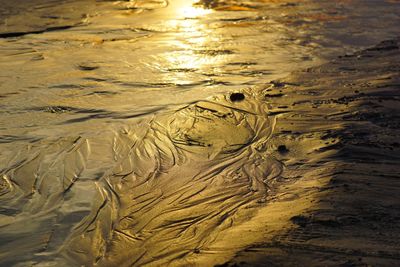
76, 76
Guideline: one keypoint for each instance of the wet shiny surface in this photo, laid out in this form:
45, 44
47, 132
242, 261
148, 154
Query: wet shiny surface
117, 122
124, 59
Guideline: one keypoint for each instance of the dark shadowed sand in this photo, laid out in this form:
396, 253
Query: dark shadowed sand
340, 121
210, 133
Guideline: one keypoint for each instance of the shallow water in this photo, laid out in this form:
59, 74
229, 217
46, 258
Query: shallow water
119, 60
81, 82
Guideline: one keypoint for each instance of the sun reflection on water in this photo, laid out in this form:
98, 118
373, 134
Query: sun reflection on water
191, 34
193, 12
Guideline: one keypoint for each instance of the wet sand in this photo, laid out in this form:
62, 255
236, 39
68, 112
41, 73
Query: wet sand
149, 134
340, 122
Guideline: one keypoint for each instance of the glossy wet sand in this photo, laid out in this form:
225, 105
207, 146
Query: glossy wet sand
351, 180
154, 133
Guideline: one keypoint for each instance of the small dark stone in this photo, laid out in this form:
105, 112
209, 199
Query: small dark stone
283, 149
236, 97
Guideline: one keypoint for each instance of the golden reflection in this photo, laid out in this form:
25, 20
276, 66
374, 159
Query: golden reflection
193, 12
192, 36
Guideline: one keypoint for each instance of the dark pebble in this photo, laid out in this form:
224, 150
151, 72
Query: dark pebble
283, 149
236, 97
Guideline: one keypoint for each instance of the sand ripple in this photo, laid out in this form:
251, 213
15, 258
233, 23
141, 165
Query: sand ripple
171, 185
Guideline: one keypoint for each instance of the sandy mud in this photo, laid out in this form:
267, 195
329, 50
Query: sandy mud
350, 179
199, 133
174, 183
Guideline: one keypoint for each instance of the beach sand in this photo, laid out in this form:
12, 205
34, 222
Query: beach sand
340, 122
139, 133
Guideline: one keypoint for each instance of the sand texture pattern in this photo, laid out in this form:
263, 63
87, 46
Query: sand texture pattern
352, 105
303, 169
